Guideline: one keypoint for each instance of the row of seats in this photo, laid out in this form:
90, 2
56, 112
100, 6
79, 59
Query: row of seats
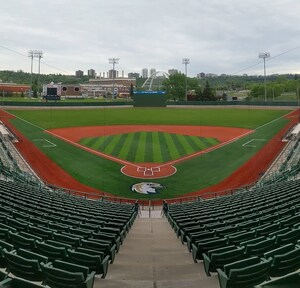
228, 233
42, 231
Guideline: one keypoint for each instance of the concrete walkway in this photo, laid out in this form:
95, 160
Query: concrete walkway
153, 257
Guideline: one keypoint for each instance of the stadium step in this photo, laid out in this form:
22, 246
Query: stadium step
152, 256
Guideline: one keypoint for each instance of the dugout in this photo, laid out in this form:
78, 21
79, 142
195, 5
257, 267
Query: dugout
149, 99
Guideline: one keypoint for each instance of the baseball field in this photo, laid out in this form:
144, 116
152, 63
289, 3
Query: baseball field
183, 150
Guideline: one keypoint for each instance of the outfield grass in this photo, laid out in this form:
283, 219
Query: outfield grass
192, 175
243, 118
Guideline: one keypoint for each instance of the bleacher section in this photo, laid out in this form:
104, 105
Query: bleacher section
247, 238
288, 168
57, 239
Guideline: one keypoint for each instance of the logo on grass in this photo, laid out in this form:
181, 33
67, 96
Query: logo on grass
147, 188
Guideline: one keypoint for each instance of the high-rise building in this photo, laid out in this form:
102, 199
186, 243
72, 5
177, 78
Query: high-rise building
145, 73
91, 73
133, 75
79, 73
172, 71
113, 73
152, 71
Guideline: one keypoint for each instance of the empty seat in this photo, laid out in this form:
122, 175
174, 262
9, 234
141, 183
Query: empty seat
96, 262
61, 274
23, 267
217, 258
244, 273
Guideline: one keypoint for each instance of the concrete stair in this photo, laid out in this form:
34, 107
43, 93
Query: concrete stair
152, 256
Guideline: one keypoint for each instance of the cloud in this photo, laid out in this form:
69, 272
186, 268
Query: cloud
217, 36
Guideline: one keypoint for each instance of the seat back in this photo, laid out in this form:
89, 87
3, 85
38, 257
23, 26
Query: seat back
249, 276
20, 241
279, 251
285, 263
22, 267
258, 249
58, 278
52, 252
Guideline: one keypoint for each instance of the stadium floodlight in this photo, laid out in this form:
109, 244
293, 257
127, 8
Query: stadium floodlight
265, 55
113, 61
35, 54
185, 61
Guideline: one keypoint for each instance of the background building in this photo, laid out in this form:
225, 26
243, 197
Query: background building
172, 71
91, 73
152, 71
79, 73
133, 75
145, 73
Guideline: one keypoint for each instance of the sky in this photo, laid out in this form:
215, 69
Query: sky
220, 37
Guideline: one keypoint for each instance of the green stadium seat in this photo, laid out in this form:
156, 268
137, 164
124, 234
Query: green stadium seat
105, 247
97, 263
19, 283
205, 245
63, 274
259, 248
4, 234
241, 236
289, 281
22, 267
52, 252
18, 224
71, 240
217, 258
107, 237
20, 241
41, 232
284, 262
194, 237
244, 273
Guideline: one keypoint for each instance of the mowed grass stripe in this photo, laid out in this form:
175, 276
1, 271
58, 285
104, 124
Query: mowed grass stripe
127, 144
133, 147
91, 141
156, 151
109, 148
199, 143
206, 142
179, 147
165, 152
85, 141
106, 142
185, 144
96, 144
171, 146
116, 151
212, 141
149, 147
140, 153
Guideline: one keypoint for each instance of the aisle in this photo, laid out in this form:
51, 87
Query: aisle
153, 257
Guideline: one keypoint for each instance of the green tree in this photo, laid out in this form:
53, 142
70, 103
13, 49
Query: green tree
131, 90
175, 86
207, 94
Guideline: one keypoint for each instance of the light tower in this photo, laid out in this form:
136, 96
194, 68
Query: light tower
265, 55
113, 61
185, 61
35, 54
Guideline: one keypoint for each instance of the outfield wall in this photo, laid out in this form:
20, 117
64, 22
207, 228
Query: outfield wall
169, 103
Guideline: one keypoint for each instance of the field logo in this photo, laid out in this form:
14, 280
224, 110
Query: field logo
146, 188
